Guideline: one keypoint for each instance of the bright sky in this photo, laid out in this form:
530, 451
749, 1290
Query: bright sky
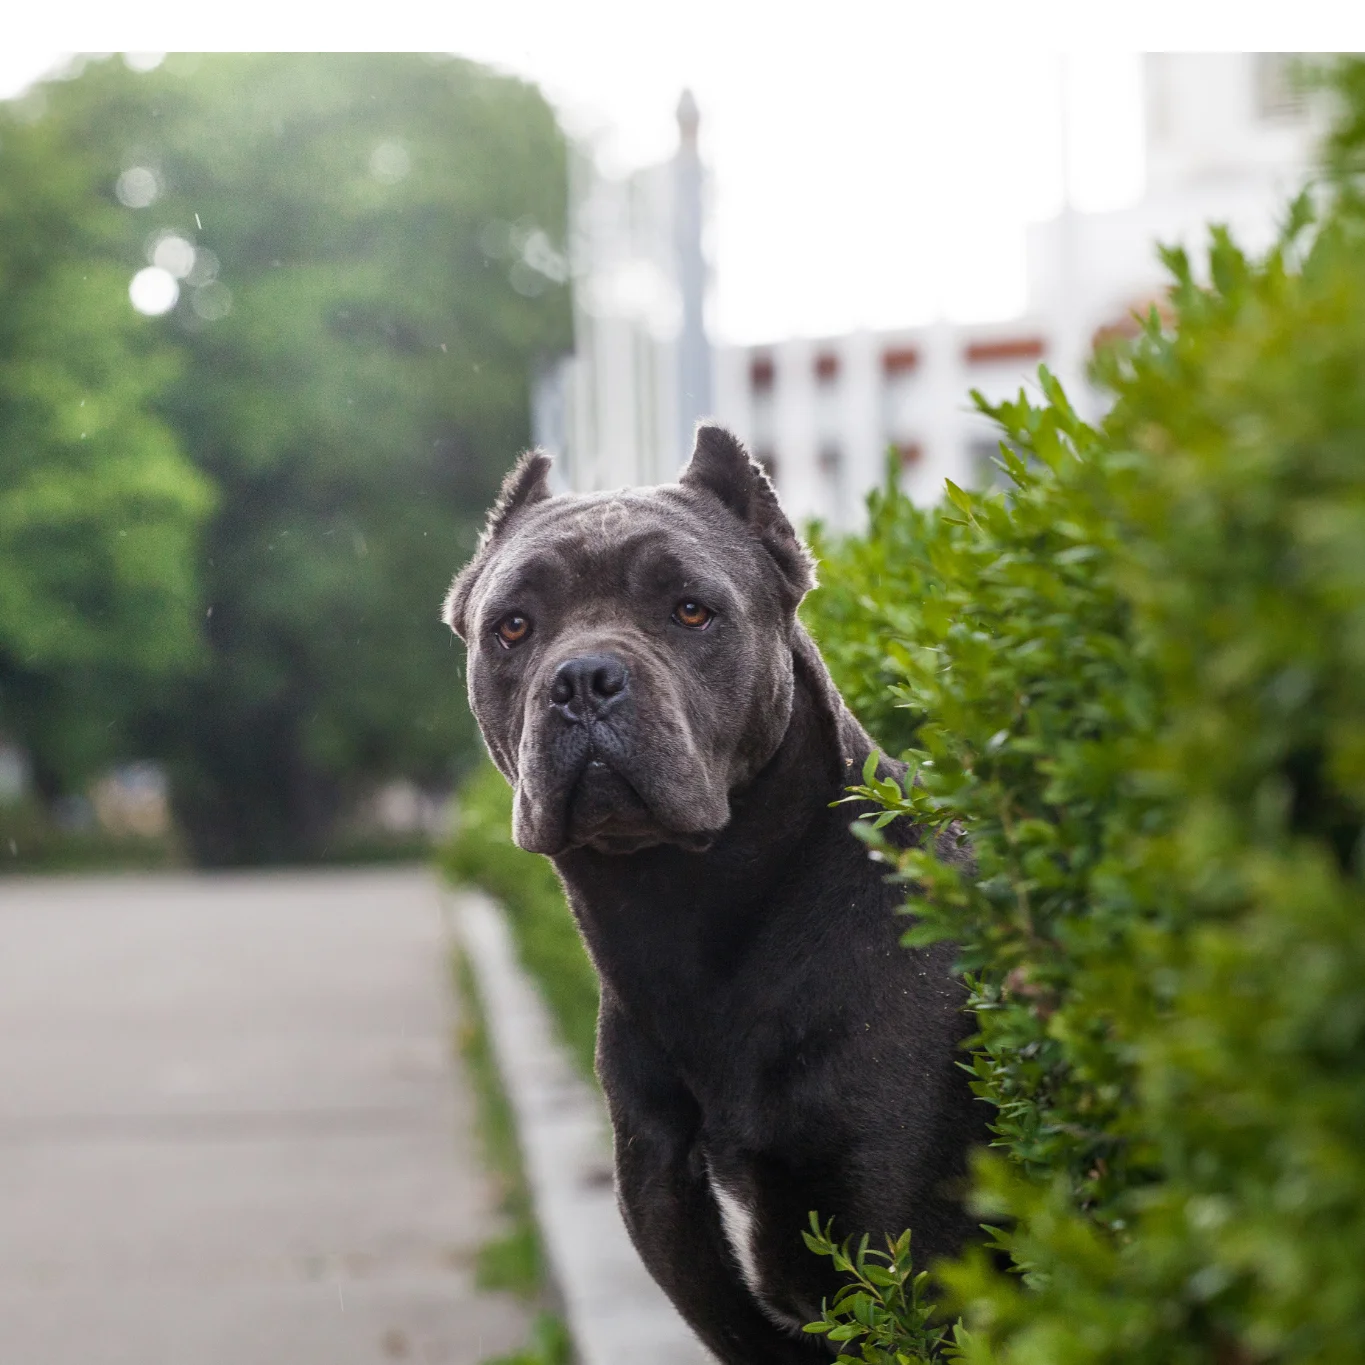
873, 169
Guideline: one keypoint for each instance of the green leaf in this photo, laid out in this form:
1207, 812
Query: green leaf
960, 499
870, 767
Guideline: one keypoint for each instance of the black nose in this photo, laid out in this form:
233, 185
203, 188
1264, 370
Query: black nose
585, 687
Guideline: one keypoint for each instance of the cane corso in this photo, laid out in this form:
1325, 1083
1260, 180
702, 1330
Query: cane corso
766, 1046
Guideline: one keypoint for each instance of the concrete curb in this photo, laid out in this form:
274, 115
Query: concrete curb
616, 1314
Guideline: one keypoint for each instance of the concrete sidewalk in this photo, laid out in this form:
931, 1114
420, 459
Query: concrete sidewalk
231, 1131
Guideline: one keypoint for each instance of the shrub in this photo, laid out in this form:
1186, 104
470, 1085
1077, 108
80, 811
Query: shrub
865, 614
1139, 678
884, 1305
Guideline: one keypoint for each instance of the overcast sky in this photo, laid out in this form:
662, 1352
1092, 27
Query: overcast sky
871, 169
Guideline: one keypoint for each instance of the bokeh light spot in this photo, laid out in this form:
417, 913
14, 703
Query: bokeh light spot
389, 163
212, 301
137, 187
153, 291
538, 252
173, 254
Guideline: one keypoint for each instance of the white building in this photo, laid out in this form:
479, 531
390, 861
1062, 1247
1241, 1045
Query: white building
621, 409
1227, 140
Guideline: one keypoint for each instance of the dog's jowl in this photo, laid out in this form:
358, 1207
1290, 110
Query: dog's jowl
675, 742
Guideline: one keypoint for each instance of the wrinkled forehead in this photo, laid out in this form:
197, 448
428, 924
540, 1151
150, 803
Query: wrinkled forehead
611, 542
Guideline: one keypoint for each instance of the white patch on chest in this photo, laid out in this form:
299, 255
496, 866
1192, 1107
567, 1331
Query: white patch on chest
737, 1222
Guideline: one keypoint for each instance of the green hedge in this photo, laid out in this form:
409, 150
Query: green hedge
1138, 678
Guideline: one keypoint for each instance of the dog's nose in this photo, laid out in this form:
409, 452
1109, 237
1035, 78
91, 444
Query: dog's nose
586, 687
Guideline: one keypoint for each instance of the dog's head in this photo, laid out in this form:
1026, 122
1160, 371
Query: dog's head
630, 654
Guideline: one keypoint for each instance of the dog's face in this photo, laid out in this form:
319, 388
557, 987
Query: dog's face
630, 658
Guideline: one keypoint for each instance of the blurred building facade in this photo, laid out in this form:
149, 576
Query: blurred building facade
621, 409
1228, 139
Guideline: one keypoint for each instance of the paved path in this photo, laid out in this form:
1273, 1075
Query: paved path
230, 1128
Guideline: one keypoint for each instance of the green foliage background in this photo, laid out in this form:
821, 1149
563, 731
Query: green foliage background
89, 613
1138, 679
223, 543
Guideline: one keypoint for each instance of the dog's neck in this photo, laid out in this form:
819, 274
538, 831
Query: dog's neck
693, 904
809, 770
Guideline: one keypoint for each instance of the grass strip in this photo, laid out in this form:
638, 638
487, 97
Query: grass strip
514, 1260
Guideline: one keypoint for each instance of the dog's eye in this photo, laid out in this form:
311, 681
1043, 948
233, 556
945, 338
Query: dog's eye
512, 630
692, 615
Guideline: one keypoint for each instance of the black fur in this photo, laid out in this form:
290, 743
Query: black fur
761, 1025
765, 1043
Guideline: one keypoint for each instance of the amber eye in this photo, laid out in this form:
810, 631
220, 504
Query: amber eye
512, 630
692, 615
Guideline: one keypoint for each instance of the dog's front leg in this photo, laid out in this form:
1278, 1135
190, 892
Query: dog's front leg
669, 1207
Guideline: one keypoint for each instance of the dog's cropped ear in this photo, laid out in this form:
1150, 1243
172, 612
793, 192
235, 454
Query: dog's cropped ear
722, 466
527, 484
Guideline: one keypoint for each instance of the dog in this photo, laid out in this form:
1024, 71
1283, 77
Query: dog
675, 743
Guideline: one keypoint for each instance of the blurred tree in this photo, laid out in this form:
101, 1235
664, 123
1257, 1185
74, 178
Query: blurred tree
373, 278
99, 508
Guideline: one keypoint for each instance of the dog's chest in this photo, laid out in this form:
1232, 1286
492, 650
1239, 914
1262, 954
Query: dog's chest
739, 1203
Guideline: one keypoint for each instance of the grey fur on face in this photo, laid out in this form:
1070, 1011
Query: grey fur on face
630, 656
